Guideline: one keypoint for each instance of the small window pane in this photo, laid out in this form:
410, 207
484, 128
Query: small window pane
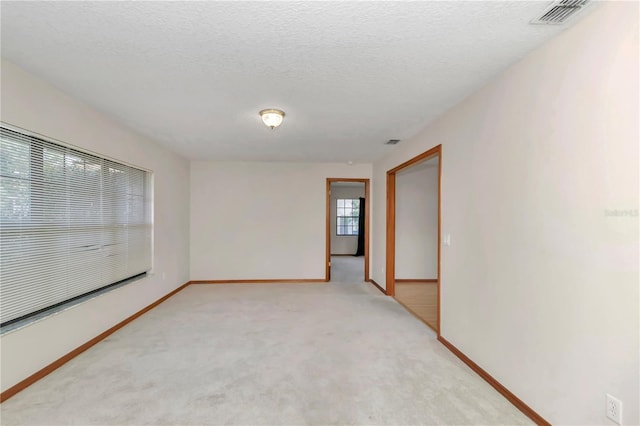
347, 216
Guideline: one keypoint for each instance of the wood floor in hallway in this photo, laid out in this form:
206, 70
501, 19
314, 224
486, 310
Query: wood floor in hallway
421, 298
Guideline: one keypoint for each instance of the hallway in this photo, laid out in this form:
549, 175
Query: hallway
347, 269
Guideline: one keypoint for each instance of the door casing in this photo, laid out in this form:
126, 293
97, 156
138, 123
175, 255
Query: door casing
367, 209
436, 151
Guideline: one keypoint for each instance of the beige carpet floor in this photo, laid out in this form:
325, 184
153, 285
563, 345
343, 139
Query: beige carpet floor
347, 269
277, 354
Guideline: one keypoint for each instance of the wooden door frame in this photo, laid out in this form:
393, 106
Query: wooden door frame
436, 151
367, 209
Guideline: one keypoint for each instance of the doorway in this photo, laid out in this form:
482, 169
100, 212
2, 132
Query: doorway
347, 229
413, 241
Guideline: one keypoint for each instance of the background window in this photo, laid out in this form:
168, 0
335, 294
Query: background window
347, 212
71, 223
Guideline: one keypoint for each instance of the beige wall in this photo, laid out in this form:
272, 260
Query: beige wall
540, 283
343, 244
417, 222
261, 220
32, 104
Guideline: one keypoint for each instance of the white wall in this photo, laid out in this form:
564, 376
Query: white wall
261, 220
343, 244
33, 104
540, 284
417, 222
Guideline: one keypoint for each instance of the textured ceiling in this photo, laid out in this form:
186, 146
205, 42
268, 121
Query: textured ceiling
349, 75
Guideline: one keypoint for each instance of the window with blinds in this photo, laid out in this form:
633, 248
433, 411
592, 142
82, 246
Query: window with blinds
71, 223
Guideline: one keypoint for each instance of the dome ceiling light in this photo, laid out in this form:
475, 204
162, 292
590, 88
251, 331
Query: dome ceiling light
272, 117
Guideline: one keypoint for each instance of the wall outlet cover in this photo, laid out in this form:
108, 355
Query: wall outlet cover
614, 409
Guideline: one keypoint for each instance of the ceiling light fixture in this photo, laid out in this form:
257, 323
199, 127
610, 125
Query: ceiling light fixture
272, 117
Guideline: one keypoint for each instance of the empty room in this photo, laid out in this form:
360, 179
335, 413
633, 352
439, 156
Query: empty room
314, 213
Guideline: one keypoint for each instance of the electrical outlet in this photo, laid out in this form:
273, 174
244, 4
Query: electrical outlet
614, 409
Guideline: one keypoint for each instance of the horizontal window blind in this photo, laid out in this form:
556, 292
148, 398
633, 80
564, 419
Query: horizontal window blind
70, 223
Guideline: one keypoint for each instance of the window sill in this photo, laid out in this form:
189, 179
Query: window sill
10, 328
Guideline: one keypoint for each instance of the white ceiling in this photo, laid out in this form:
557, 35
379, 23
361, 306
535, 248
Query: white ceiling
349, 75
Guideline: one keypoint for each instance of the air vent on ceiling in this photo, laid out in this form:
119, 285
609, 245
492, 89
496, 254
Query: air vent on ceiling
559, 11
392, 141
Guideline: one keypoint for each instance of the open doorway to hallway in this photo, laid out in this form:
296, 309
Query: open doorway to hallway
347, 230
417, 239
413, 236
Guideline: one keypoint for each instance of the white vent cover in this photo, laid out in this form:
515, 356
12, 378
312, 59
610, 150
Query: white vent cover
559, 11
